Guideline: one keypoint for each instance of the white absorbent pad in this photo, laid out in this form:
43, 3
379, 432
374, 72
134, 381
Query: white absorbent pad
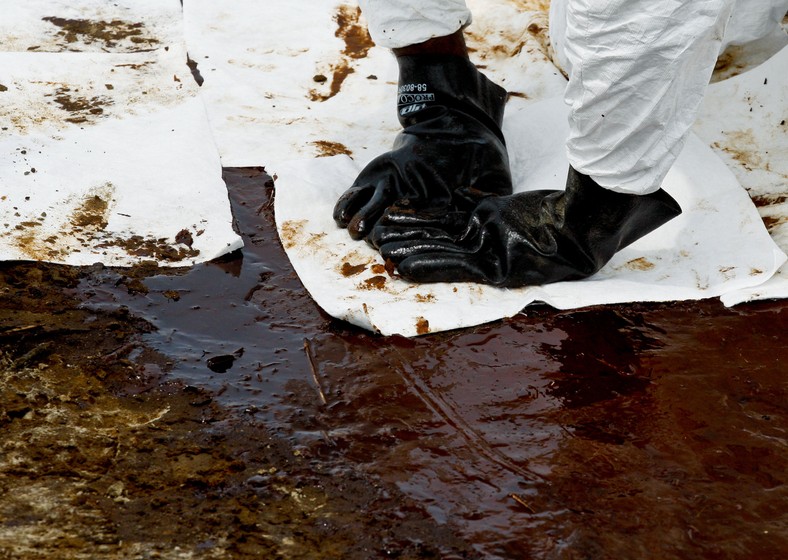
717, 246
105, 150
303, 79
744, 119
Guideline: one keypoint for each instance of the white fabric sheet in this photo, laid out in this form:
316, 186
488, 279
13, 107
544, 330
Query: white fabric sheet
399, 23
269, 76
120, 26
265, 105
744, 120
105, 150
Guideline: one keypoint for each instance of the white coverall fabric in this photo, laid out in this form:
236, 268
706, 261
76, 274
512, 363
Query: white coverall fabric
399, 23
753, 19
637, 70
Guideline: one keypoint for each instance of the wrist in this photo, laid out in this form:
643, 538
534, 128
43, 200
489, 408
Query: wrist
448, 45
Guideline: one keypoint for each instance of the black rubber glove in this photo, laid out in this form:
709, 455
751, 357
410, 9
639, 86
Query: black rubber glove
451, 116
529, 238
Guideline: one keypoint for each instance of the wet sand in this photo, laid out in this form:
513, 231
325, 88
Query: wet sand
217, 412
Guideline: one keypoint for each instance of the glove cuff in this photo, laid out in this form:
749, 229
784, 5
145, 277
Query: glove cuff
427, 82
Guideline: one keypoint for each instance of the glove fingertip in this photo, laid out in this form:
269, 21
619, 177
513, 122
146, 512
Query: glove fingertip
425, 268
412, 269
349, 204
357, 227
441, 267
340, 217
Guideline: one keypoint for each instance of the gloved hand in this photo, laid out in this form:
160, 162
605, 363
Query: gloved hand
451, 116
524, 239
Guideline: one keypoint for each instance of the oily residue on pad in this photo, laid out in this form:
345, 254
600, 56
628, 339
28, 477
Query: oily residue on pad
356, 37
293, 234
84, 225
81, 109
161, 249
328, 148
422, 326
374, 283
340, 72
357, 45
539, 30
352, 269
91, 94
92, 212
641, 263
730, 63
773, 222
27, 238
185, 237
532, 5
740, 145
85, 229
764, 200
77, 33
492, 42
773, 210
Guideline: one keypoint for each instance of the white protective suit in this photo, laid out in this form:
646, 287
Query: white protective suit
637, 70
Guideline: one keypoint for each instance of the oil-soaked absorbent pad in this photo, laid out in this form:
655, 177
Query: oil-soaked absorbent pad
105, 150
718, 245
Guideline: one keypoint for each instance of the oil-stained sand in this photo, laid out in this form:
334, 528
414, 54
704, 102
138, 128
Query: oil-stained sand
215, 412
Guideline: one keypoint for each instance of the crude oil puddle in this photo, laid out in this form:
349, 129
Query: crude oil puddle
618, 432
248, 311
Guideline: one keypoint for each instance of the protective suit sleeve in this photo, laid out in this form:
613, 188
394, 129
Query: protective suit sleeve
638, 70
398, 23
